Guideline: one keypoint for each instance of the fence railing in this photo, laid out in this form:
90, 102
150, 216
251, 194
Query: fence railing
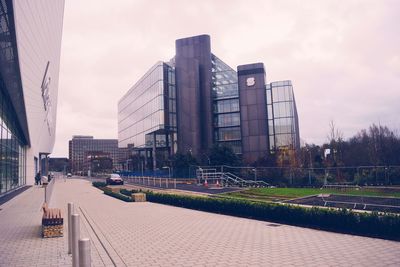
359, 175
291, 176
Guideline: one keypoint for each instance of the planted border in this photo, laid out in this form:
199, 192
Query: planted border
344, 221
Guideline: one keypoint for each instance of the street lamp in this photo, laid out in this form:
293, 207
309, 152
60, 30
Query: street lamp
255, 174
202, 175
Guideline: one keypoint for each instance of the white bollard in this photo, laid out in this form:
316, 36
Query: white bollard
175, 183
70, 211
160, 182
75, 239
84, 253
166, 182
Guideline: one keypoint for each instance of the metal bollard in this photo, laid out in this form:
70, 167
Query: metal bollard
70, 211
75, 239
166, 182
84, 253
160, 182
175, 183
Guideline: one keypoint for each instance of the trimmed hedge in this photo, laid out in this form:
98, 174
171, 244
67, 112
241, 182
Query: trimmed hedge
344, 221
129, 192
118, 196
99, 184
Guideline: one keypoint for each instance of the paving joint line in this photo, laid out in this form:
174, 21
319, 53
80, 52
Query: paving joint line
92, 233
86, 216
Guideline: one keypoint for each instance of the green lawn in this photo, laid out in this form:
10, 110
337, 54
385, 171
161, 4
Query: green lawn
278, 194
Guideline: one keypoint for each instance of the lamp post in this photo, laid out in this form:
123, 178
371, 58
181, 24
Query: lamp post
202, 175
309, 167
255, 174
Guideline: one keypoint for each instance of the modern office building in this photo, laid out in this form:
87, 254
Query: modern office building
30, 47
84, 148
283, 123
196, 100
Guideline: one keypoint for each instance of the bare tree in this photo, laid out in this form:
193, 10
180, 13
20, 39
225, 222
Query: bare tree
335, 141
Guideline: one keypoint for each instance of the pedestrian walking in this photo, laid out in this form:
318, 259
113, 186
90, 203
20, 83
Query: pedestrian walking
38, 179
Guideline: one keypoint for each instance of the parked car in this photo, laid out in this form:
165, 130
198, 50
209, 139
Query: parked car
114, 179
69, 174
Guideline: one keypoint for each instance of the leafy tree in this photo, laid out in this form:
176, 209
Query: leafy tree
181, 164
223, 155
376, 146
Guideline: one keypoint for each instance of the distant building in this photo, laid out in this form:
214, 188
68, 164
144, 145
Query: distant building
81, 148
30, 38
196, 100
59, 165
98, 162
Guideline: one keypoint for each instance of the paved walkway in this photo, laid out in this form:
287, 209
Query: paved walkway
148, 234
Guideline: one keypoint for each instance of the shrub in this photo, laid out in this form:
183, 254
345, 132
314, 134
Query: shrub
118, 196
345, 221
99, 184
129, 192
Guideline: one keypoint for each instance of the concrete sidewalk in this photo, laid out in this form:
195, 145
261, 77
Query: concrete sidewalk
148, 234
20, 233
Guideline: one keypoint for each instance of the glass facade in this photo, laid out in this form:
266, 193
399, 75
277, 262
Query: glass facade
224, 79
226, 105
141, 110
12, 149
148, 110
282, 116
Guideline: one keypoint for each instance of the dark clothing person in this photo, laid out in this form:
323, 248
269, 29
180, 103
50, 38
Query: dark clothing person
37, 179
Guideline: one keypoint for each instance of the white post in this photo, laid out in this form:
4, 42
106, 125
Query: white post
75, 238
70, 211
166, 182
84, 252
175, 183
160, 182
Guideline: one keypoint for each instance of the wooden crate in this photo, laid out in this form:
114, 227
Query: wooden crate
139, 197
52, 222
52, 230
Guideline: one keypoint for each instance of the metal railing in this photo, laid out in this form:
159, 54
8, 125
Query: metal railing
160, 182
225, 179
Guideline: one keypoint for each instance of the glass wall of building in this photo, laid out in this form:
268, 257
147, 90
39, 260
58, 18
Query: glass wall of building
226, 105
147, 115
12, 150
141, 110
282, 116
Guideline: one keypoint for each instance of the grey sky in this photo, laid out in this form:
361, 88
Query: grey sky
342, 56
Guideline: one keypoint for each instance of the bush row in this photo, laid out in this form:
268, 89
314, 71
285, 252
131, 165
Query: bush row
118, 196
99, 184
344, 221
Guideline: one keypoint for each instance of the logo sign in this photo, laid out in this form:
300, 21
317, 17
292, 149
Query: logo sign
251, 81
46, 96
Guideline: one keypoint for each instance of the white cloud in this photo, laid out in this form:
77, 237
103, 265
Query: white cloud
343, 57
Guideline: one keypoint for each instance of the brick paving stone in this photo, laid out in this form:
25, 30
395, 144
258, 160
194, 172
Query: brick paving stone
149, 234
